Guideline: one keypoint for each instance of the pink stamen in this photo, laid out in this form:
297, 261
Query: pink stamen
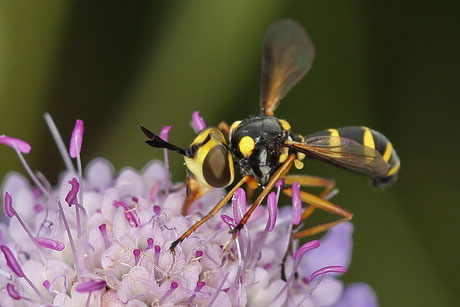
38, 208
76, 139
137, 256
149, 243
296, 204
129, 214
239, 205
272, 206
228, 220
50, 243
135, 199
90, 286
12, 292
105, 237
71, 197
173, 287
9, 210
198, 123
156, 260
328, 269
199, 254
21, 145
47, 284
156, 209
305, 248
198, 287
11, 261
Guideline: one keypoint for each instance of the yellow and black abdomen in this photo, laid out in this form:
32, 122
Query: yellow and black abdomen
375, 140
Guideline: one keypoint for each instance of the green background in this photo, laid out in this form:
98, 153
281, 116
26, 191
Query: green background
388, 65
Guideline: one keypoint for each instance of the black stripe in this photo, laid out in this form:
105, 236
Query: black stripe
354, 133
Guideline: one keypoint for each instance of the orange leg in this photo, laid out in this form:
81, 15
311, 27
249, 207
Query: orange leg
194, 191
280, 173
225, 128
311, 181
325, 205
211, 213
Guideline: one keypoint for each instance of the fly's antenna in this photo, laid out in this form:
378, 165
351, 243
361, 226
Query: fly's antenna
157, 142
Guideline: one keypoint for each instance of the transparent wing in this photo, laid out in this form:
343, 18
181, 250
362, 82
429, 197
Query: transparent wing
344, 153
287, 55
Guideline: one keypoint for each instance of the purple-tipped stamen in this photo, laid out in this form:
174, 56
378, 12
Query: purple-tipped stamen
50, 243
130, 215
173, 287
105, 237
13, 293
47, 284
13, 264
296, 204
297, 259
76, 139
199, 285
137, 256
239, 205
90, 286
9, 210
157, 209
71, 197
198, 123
272, 206
149, 243
328, 269
228, 220
305, 248
21, 145
199, 254
11, 261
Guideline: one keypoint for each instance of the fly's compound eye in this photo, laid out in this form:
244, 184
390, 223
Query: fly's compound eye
216, 167
211, 163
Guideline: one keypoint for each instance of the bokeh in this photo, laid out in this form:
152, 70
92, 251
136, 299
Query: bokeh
393, 66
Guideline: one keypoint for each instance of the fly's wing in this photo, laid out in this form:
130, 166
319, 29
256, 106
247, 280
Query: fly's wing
287, 55
344, 153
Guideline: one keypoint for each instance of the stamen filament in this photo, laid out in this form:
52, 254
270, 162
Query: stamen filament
60, 143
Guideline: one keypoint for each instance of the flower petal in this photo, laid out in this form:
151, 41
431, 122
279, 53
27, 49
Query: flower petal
358, 295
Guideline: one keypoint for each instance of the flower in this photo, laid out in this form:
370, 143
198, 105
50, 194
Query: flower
102, 239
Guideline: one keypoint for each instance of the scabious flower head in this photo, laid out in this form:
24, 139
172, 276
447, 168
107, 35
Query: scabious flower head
102, 239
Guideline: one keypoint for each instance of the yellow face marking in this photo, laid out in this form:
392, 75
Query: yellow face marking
393, 170
368, 139
334, 142
285, 124
234, 126
246, 146
284, 155
300, 156
298, 164
387, 153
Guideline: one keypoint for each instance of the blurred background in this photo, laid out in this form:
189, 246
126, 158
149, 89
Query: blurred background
388, 65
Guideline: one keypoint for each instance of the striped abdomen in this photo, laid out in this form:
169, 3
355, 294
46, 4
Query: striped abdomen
373, 139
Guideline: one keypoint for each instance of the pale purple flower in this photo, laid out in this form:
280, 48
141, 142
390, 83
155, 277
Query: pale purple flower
102, 239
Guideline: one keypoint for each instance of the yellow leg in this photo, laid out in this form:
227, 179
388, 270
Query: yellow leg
211, 213
325, 205
280, 173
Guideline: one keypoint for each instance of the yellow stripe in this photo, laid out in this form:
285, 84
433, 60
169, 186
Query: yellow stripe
368, 139
334, 141
387, 153
393, 170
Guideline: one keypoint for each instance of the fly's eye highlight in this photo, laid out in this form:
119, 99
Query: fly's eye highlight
216, 167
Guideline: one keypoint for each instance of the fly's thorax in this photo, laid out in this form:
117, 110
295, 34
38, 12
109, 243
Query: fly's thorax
256, 144
210, 160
